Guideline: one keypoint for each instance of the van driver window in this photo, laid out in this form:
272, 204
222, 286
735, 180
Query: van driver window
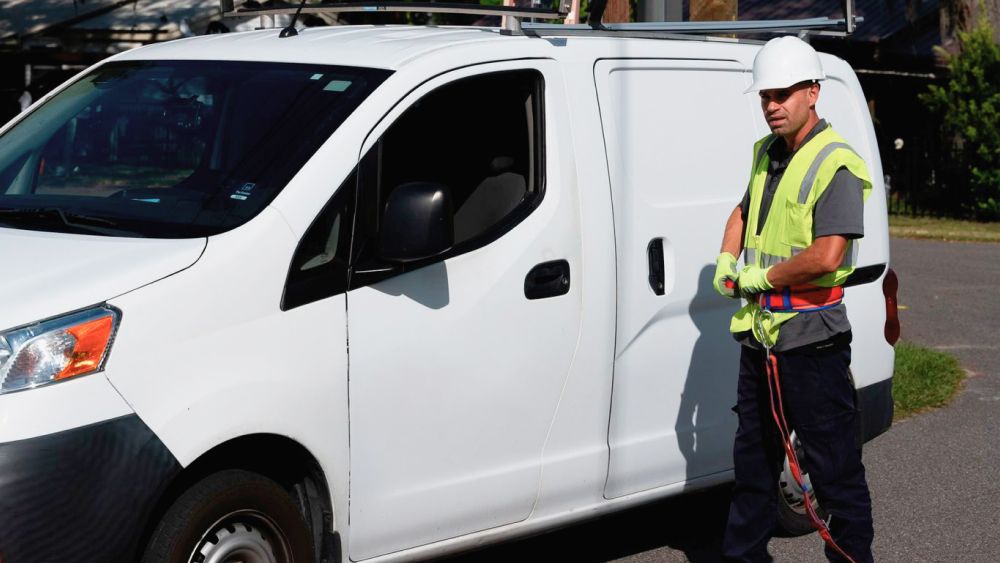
481, 138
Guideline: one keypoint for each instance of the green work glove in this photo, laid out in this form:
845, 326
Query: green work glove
725, 269
753, 279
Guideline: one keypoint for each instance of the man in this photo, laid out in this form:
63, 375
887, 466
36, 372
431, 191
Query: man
798, 224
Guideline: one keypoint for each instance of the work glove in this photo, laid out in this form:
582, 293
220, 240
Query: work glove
753, 279
725, 269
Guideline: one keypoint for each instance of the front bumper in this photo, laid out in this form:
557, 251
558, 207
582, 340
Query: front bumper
84, 494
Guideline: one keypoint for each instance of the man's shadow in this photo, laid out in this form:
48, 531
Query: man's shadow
706, 422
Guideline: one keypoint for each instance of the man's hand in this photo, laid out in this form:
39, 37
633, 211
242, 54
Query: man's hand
725, 269
753, 279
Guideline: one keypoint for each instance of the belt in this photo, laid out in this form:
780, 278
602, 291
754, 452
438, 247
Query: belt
801, 298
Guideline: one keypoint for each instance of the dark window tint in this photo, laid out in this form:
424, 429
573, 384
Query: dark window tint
171, 148
319, 266
481, 137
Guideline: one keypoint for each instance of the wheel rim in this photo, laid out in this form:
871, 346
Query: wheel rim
790, 490
244, 536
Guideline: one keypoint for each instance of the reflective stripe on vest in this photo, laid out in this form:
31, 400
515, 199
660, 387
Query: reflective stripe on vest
810, 177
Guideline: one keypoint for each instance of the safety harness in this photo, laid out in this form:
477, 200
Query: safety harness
801, 299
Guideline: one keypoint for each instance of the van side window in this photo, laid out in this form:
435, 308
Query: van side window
481, 137
319, 265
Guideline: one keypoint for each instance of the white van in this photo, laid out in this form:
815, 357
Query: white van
376, 293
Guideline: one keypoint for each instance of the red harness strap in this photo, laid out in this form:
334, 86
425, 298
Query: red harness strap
778, 413
801, 298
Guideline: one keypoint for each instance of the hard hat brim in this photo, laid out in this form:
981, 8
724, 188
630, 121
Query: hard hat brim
759, 85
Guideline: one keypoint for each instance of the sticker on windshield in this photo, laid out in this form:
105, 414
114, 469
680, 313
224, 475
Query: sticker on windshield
243, 192
337, 86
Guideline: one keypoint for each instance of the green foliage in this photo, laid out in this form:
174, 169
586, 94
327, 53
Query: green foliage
968, 108
923, 379
936, 228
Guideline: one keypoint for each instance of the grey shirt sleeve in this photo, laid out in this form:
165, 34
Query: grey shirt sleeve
840, 210
745, 204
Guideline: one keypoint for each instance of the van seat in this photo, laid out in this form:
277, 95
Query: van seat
491, 200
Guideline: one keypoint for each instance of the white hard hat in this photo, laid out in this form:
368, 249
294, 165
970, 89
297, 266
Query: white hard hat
783, 62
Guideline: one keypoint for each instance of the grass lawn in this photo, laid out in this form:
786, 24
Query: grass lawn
923, 379
943, 229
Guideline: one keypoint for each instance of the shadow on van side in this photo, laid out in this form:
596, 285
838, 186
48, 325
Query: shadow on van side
706, 423
692, 523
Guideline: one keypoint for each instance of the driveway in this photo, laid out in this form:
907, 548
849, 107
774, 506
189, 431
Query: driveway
934, 478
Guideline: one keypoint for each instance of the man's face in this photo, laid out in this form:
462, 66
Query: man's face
786, 110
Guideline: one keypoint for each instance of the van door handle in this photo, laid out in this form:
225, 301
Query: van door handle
656, 275
548, 279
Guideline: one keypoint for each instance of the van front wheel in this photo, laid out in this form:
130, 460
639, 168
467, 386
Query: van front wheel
232, 516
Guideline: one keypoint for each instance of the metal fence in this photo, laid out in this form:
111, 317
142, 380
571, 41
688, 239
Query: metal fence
914, 184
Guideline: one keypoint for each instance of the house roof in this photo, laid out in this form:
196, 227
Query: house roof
898, 25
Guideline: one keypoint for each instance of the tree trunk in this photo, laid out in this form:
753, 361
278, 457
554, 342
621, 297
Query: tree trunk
961, 15
713, 10
992, 14
617, 12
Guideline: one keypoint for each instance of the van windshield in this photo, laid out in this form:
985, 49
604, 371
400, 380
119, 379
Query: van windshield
171, 149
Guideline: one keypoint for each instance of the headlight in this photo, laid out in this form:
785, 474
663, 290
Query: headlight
57, 349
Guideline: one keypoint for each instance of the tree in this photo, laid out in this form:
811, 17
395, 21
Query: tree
968, 109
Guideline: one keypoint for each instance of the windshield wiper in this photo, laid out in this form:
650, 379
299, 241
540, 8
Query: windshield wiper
79, 221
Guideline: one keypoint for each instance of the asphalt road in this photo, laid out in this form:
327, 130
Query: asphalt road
934, 478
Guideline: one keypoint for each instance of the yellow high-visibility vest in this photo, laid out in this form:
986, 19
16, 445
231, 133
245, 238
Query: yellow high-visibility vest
788, 229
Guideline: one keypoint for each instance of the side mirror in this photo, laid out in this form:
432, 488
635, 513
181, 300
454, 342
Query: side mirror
417, 222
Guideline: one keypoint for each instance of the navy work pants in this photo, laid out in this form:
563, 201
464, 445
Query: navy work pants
819, 406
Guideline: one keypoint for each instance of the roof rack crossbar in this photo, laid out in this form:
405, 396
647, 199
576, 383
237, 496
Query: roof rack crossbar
749, 26
850, 22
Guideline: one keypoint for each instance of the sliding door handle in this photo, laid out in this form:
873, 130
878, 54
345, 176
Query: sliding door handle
654, 252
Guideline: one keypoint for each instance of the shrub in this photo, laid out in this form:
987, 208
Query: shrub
968, 110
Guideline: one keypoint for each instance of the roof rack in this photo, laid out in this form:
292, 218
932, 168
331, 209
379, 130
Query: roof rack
560, 9
511, 13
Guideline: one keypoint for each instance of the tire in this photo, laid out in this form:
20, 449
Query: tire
792, 516
230, 516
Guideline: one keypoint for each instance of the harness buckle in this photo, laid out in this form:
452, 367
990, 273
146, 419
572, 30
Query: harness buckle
762, 318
